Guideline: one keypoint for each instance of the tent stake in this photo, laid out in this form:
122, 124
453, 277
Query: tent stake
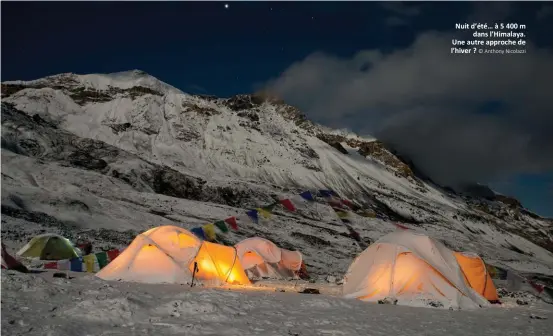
194, 273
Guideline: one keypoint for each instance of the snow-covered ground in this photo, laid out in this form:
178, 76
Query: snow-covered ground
39, 304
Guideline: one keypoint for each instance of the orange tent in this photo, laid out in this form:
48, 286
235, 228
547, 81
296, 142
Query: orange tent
476, 275
169, 254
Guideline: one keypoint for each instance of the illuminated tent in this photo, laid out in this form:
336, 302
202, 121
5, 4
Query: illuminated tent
261, 258
49, 246
476, 275
167, 254
412, 268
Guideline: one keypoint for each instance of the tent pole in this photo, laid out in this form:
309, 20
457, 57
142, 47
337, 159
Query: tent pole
194, 273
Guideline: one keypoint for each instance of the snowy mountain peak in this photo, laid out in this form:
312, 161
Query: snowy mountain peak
98, 82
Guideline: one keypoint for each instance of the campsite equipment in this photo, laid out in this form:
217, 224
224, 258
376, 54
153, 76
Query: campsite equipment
476, 275
262, 258
167, 254
9, 262
194, 273
412, 268
48, 247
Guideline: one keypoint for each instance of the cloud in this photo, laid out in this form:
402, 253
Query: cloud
402, 13
431, 105
401, 9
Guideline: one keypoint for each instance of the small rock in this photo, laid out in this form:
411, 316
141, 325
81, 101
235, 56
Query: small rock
331, 279
310, 291
537, 317
522, 303
60, 275
388, 301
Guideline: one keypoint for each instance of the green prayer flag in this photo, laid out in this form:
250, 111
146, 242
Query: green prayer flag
102, 259
222, 226
270, 207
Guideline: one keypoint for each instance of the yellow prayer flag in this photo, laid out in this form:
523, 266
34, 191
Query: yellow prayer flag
89, 260
264, 213
209, 231
342, 214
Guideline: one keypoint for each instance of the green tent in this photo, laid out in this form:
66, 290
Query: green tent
49, 247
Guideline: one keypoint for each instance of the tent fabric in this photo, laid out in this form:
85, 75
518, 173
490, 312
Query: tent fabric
262, 258
9, 262
167, 254
49, 247
412, 268
476, 275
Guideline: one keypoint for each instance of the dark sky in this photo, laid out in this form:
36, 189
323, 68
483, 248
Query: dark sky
377, 68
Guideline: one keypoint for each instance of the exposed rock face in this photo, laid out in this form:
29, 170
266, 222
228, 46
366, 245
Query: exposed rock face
510, 201
243, 102
82, 95
375, 149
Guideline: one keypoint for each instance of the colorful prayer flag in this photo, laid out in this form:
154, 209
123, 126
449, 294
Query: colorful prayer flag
539, 288
102, 259
112, 254
222, 226
198, 232
270, 207
51, 265
335, 203
89, 261
232, 222
209, 231
64, 265
76, 265
340, 213
307, 195
325, 193
253, 216
288, 204
264, 213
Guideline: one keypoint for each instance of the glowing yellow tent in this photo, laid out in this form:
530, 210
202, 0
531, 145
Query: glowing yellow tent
412, 268
167, 254
476, 275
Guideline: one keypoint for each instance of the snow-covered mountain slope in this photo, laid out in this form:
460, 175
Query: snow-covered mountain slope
130, 143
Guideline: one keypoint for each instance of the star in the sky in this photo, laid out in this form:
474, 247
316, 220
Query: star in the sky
226, 5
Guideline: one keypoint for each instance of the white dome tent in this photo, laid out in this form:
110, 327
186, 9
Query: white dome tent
261, 258
167, 254
412, 268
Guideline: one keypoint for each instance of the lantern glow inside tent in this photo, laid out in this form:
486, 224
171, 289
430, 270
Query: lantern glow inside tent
413, 269
167, 254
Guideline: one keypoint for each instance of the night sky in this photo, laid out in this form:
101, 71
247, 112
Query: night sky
377, 68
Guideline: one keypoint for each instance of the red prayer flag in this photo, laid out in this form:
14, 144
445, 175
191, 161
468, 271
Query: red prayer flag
288, 204
537, 287
51, 265
112, 254
232, 222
